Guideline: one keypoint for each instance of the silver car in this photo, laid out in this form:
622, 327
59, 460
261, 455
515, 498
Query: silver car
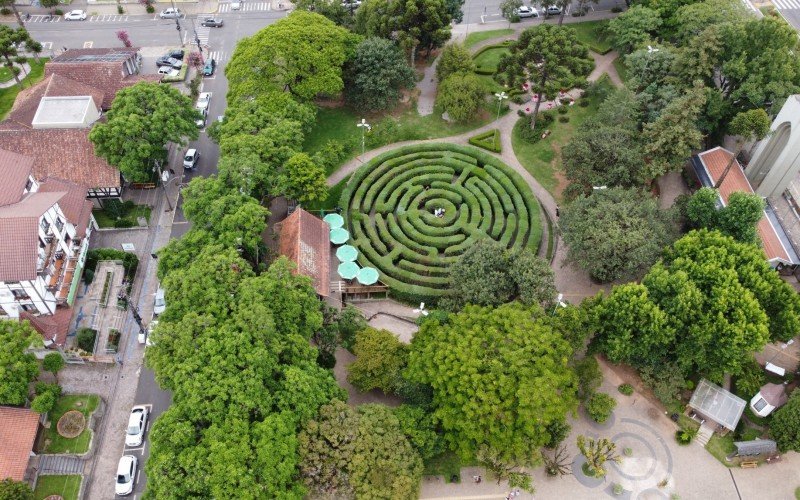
171, 13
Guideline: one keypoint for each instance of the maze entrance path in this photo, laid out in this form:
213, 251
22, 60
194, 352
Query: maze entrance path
414, 210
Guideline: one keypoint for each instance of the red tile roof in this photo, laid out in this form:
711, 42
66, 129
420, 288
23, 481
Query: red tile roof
64, 153
52, 327
18, 428
14, 172
55, 85
715, 160
304, 239
77, 209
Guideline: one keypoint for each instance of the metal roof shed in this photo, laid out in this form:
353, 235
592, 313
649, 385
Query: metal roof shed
717, 404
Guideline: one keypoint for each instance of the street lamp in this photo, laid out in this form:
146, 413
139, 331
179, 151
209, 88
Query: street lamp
365, 127
599, 188
559, 303
650, 51
165, 179
500, 98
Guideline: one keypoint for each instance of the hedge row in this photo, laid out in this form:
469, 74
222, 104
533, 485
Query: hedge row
488, 140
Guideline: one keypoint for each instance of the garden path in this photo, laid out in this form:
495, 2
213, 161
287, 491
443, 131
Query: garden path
427, 90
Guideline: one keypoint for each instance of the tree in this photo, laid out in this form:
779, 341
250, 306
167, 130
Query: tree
489, 275
670, 139
301, 54
53, 362
350, 322
461, 96
34, 47
303, 180
455, 58
503, 469
15, 490
143, 118
558, 462
454, 10
737, 219
693, 18
597, 452
17, 367
600, 406
10, 41
785, 425
508, 9
512, 344
44, 402
615, 233
124, 37
380, 359
376, 75
420, 429
634, 28
746, 126
12, 5
550, 58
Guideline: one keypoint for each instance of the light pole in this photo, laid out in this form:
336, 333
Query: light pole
165, 179
500, 98
599, 188
650, 52
364, 126
559, 303
197, 41
177, 25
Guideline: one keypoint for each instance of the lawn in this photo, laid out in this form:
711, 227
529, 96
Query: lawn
592, 34
67, 487
479, 36
721, 447
332, 201
86, 404
128, 218
9, 94
543, 158
6, 75
490, 58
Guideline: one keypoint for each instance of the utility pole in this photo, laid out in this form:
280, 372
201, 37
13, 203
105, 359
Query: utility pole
197, 41
178, 25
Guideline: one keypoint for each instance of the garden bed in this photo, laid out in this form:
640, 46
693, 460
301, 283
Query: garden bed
67, 487
55, 443
120, 215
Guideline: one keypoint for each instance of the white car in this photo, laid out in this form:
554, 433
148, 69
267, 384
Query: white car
553, 10
126, 474
167, 71
236, 4
201, 122
159, 304
203, 100
137, 423
525, 11
170, 13
75, 15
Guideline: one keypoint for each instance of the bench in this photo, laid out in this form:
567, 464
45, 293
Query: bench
143, 185
749, 465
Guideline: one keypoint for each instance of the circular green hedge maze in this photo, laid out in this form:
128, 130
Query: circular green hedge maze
414, 210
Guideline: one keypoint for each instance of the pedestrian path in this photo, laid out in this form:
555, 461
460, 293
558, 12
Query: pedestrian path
108, 18
60, 464
217, 55
42, 19
246, 7
202, 34
787, 4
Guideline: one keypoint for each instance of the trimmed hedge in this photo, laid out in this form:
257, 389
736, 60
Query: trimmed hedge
390, 204
488, 140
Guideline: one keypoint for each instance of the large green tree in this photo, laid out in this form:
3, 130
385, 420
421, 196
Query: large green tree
615, 232
143, 118
499, 378
15, 490
737, 219
380, 360
302, 54
550, 58
455, 58
461, 95
17, 367
11, 40
376, 75
785, 424
634, 28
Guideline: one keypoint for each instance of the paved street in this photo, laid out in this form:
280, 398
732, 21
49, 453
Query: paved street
490, 9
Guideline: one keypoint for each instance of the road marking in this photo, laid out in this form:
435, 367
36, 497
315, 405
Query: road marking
138, 473
137, 449
202, 34
47, 45
87, 45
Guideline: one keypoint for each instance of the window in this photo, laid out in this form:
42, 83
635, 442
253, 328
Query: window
59, 224
28, 307
29, 184
20, 294
760, 404
45, 225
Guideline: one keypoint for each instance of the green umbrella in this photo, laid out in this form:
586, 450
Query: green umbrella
339, 236
348, 270
347, 253
334, 220
368, 276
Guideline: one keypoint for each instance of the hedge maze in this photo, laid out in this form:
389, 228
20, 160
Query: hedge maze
414, 210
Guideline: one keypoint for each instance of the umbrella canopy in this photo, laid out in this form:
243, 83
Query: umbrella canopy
339, 236
347, 253
348, 270
368, 276
334, 220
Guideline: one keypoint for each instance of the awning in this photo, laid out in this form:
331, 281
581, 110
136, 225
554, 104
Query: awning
368, 276
347, 253
339, 236
334, 220
348, 270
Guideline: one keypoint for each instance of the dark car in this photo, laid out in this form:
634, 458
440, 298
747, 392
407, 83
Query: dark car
213, 23
177, 54
169, 61
210, 67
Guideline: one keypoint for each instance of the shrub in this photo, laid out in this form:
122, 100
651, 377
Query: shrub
461, 95
5, 11
689, 385
617, 488
685, 436
665, 381
626, 389
150, 9
628, 452
563, 119
455, 58
531, 135
58, 12
562, 110
616, 9
600, 406
129, 261
489, 140
558, 431
120, 10
43, 403
124, 223
85, 339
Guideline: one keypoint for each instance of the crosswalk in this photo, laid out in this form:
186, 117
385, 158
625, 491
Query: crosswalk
787, 4
93, 19
217, 55
246, 7
108, 18
42, 19
202, 34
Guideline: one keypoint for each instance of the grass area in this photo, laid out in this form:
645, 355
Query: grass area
332, 201
592, 33
622, 69
721, 447
86, 404
543, 158
477, 37
6, 74
128, 218
684, 422
9, 94
67, 487
490, 58
797, 493
446, 464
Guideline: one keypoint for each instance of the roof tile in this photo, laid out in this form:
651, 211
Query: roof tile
304, 239
14, 172
18, 428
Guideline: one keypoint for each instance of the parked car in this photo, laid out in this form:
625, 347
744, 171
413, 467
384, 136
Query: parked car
171, 13
150, 329
137, 423
553, 10
210, 67
201, 122
525, 11
190, 158
177, 54
203, 100
169, 61
168, 71
236, 4
212, 23
160, 303
126, 474
75, 15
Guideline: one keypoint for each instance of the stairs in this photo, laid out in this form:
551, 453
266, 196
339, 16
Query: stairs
60, 464
703, 435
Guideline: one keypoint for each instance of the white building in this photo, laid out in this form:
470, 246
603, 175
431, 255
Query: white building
775, 165
44, 237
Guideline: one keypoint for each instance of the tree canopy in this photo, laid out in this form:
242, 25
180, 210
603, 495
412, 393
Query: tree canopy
785, 424
376, 75
461, 95
499, 378
17, 367
380, 359
455, 58
737, 219
634, 28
